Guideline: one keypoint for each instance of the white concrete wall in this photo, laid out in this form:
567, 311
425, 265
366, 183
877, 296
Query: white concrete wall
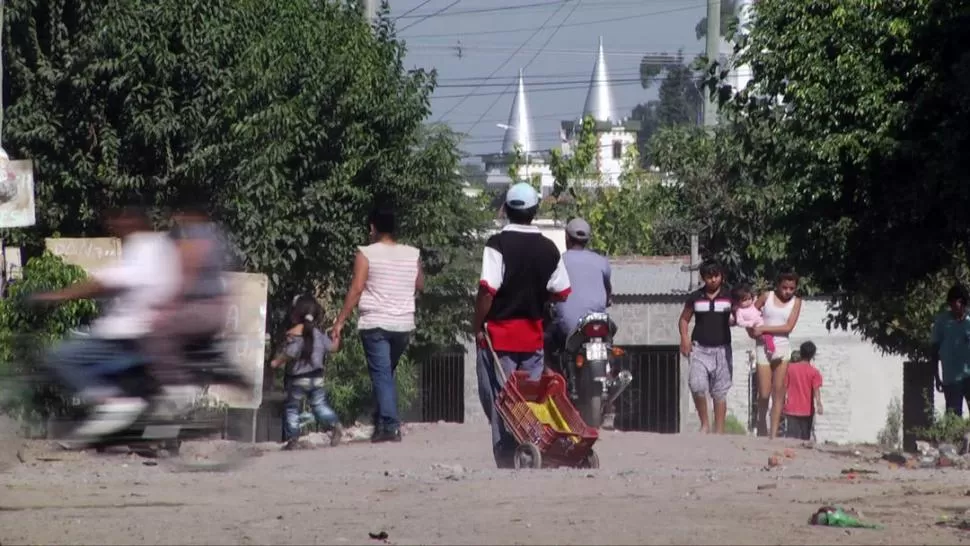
859, 382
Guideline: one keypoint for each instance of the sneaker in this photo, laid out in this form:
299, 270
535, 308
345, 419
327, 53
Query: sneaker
336, 434
113, 415
393, 435
292, 445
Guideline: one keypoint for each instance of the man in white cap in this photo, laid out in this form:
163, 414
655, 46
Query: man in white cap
589, 276
522, 270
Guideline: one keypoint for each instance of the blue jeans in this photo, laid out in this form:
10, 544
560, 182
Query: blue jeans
82, 363
311, 390
489, 385
383, 350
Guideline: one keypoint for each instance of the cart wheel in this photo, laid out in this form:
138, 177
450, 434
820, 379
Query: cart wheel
527, 456
590, 461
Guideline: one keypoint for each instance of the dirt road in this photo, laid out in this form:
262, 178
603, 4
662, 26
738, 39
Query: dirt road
439, 487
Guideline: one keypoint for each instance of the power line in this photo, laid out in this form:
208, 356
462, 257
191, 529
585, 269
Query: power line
412, 10
580, 24
500, 8
464, 48
544, 44
585, 85
506, 61
571, 115
429, 16
605, 4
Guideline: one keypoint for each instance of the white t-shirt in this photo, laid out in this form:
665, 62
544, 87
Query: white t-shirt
146, 276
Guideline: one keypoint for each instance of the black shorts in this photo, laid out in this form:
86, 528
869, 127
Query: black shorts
799, 426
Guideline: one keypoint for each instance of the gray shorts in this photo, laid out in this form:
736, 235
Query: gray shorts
711, 371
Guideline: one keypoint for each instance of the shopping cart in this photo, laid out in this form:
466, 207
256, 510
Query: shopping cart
543, 420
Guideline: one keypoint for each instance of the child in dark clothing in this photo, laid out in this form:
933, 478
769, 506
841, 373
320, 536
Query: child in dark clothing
803, 400
304, 353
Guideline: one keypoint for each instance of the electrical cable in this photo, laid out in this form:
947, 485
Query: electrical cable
507, 61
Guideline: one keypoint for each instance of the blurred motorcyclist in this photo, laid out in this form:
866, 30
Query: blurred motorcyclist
197, 311
146, 276
589, 273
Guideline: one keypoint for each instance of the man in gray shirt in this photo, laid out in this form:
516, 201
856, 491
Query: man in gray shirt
589, 274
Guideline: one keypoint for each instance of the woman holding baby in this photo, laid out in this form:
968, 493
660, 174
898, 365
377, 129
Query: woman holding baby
769, 320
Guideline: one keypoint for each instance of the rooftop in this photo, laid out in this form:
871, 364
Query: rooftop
650, 275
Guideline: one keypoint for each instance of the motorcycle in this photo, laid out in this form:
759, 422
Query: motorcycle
166, 423
593, 370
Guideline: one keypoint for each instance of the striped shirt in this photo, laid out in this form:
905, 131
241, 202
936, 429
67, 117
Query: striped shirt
388, 298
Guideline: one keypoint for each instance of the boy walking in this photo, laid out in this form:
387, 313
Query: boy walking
803, 401
521, 271
709, 345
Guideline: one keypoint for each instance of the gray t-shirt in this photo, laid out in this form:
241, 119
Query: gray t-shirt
210, 282
588, 273
294, 347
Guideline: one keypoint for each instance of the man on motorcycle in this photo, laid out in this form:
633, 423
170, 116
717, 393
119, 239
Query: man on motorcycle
197, 312
589, 274
146, 276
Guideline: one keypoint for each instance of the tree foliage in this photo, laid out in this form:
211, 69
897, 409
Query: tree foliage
857, 120
679, 100
26, 331
290, 119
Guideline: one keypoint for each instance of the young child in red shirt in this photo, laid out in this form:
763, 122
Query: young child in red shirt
803, 401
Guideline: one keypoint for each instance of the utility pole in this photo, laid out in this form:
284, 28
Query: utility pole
713, 55
370, 10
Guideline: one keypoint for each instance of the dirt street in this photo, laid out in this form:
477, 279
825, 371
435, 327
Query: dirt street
439, 487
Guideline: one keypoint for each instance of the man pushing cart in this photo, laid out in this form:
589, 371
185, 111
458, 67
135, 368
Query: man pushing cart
521, 271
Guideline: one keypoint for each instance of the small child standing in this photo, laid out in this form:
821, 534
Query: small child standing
803, 401
304, 353
747, 315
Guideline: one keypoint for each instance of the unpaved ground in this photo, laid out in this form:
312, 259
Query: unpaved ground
439, 487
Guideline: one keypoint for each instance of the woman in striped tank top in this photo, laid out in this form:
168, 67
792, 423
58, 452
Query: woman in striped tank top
387, 276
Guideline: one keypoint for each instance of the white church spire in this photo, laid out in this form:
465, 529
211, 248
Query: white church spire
519, 129
599, 98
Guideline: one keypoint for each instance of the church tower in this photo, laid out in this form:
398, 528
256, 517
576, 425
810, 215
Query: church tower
616, 134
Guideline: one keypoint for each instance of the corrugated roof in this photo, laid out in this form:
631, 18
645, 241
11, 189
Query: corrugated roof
650, 275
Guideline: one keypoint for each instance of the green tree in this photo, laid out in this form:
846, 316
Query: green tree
26, 331
854, 124
291, 118
679, 99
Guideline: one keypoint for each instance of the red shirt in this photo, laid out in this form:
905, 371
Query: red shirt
802, 381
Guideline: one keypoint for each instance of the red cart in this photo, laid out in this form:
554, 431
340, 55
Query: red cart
544, 421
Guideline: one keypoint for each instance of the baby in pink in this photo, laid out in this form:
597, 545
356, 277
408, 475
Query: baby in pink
747, 315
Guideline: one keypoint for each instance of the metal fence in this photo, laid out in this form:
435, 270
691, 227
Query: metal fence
652, 401
441, 388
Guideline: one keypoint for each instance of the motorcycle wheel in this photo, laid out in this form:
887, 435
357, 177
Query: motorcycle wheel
527, 456
591, 409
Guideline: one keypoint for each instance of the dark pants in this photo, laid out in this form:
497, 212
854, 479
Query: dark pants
83, 363
799, 426
310, 389
955, 394
383, 350
489, 385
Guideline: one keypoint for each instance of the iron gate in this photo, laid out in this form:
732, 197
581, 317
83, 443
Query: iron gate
652, 401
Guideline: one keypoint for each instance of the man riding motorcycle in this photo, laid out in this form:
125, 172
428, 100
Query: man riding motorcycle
197, 312
589, 273
146, 276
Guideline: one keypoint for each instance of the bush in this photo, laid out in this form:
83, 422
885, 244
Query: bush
946, 428
27, 331
890, 437
734, 426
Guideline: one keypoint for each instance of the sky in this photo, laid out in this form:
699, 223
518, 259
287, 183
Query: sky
478, 47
